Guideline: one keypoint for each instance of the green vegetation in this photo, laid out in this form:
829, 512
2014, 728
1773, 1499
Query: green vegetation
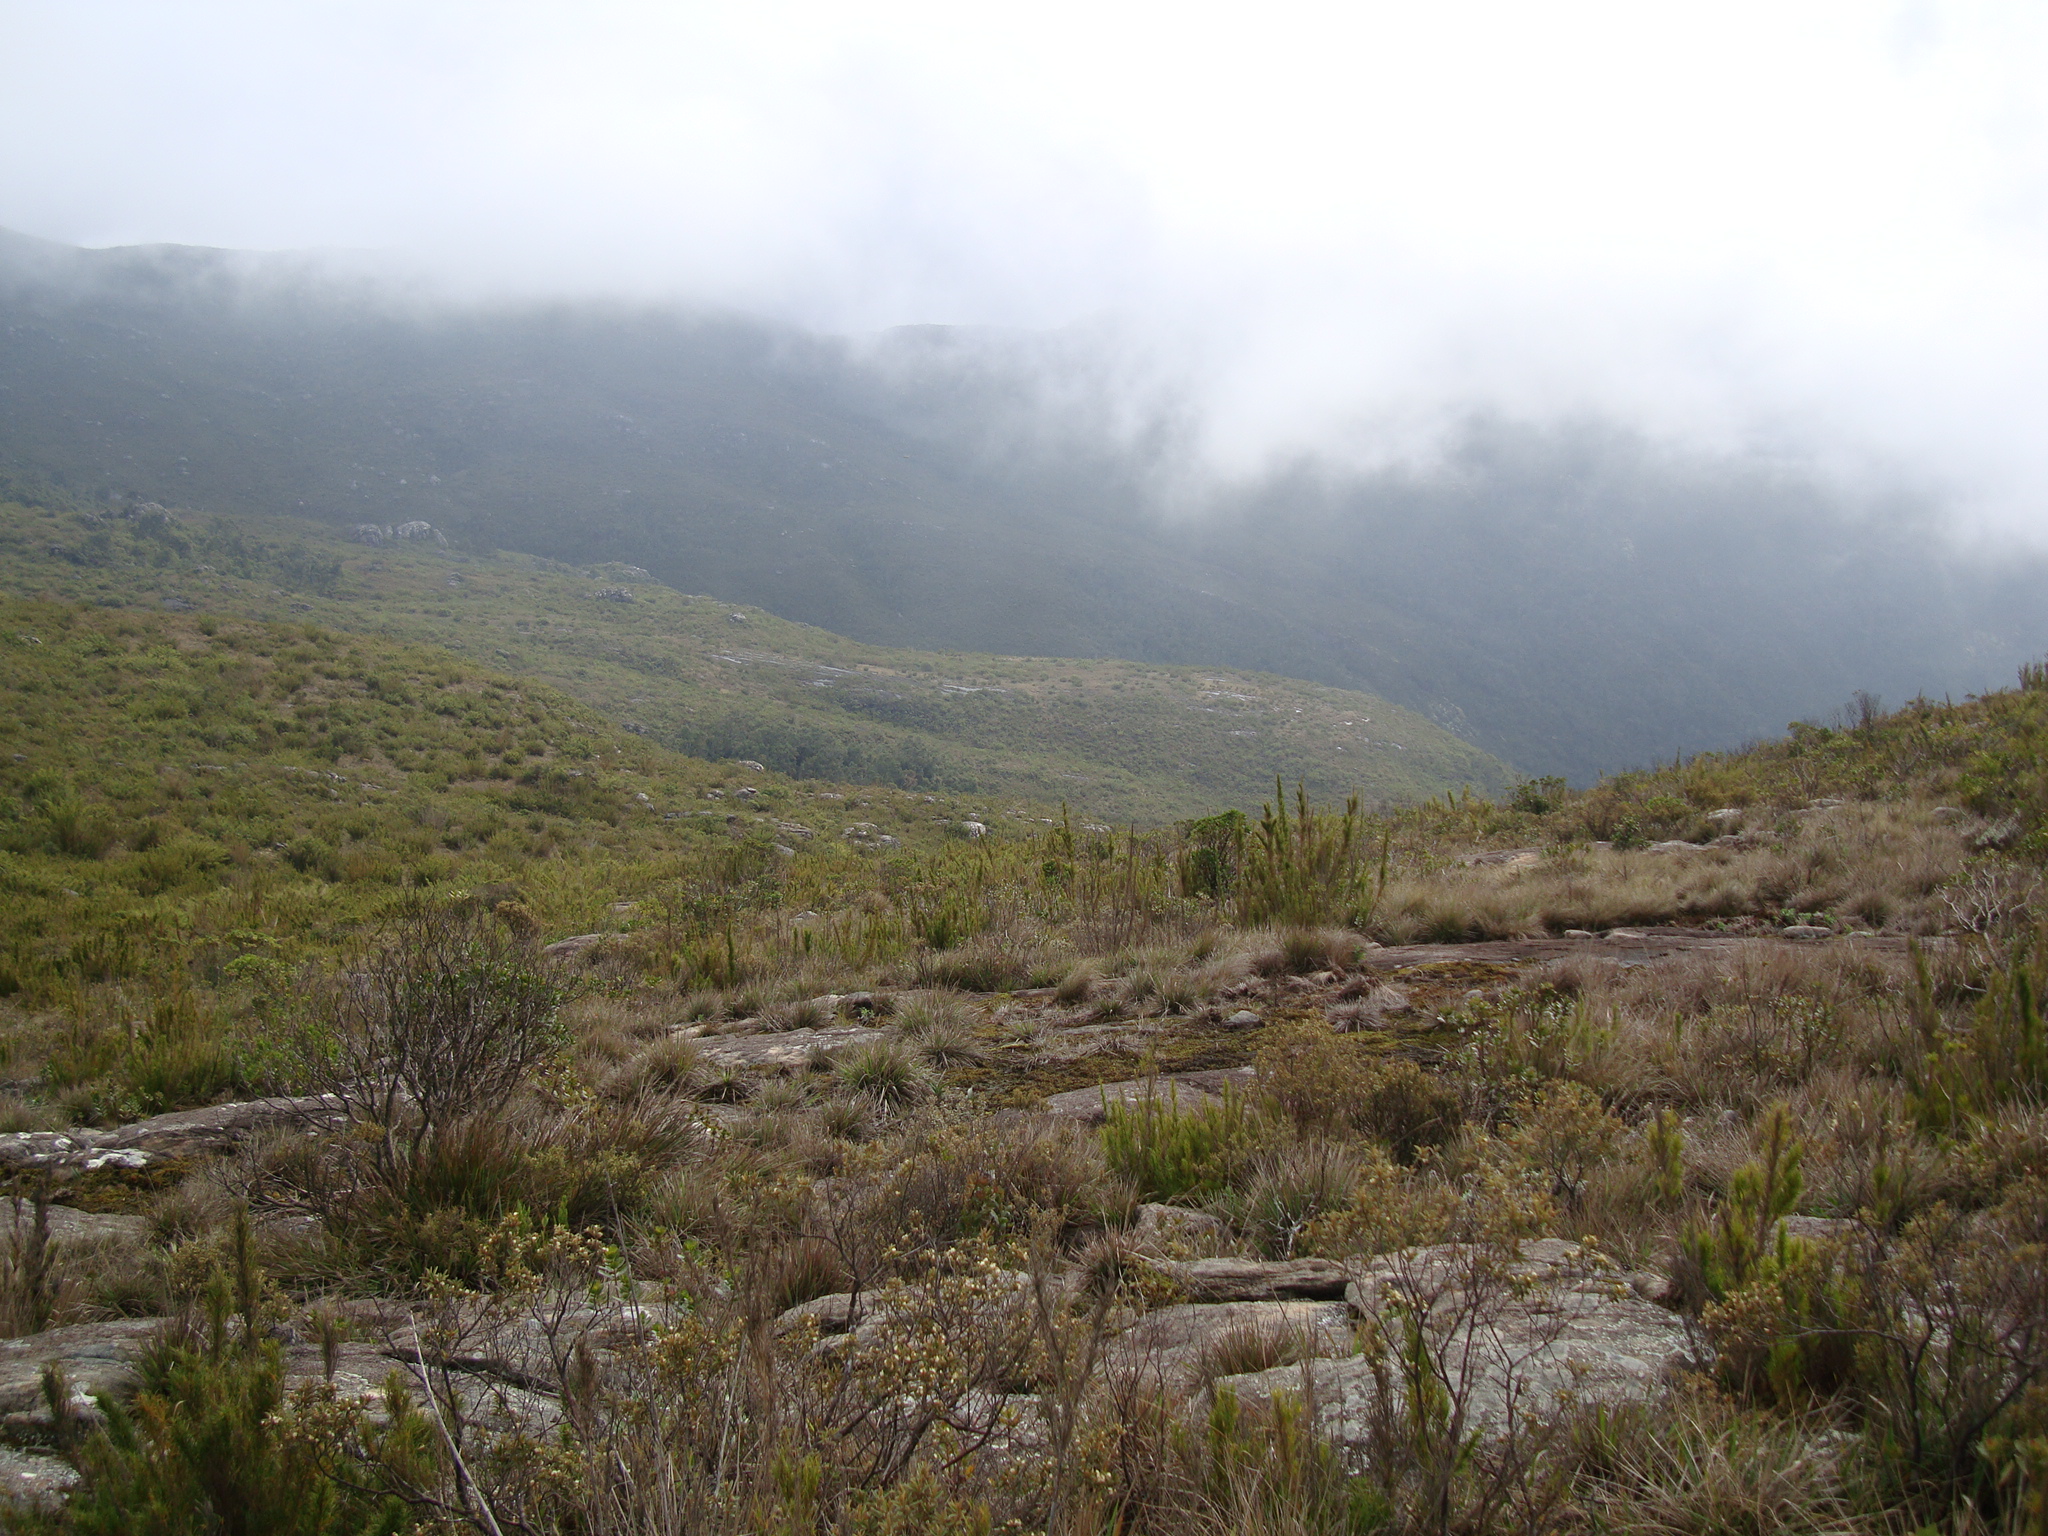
685, 1165
1118, 740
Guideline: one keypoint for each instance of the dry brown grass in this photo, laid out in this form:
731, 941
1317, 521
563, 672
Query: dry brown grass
1881, 865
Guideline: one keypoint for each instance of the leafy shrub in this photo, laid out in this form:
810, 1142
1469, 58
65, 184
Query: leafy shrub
1538, 797
172, 865
1314, 868
1960, 1080
446, 1020
598, 1166
212, 1444
1330, 1084
76, 829
313, 856
1746, 1239
1566, 1133
1168, 1152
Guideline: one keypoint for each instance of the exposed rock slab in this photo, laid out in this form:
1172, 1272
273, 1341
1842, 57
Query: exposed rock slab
788, 1048
1254, 1280
1180, 1345
1155, 1225
95, 1358
183, 1133
837, 1313
30, 1481
66, 1225
1511, 1337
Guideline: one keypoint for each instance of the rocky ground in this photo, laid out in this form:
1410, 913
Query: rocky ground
1535, 1324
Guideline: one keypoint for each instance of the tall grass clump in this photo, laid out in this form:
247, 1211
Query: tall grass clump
1312, 868
1170, 1153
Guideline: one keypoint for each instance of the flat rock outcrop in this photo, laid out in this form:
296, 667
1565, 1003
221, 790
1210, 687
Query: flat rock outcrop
94, 1357
1183, 1345
787, 1048
1253, 1280
185, 1133
1509, 1336
1186, 1090
1157, 1225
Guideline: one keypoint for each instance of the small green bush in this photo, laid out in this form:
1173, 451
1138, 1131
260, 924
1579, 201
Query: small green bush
887, 1074
1169, 1153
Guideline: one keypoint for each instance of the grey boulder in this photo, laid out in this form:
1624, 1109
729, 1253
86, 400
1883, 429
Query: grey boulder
1510, 1337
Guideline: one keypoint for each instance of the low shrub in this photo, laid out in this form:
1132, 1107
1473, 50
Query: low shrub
1328, 1084
974, 967
1169, 1153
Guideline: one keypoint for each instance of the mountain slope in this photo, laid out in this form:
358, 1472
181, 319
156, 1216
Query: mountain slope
1118, 740
1572, 602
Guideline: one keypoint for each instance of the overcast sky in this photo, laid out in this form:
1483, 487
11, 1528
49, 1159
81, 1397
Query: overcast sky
1808, 229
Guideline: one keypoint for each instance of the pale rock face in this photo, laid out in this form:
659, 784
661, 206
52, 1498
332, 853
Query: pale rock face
1512, 1337
1259, 1280
1173, 1345
183, 1133
1090, 1105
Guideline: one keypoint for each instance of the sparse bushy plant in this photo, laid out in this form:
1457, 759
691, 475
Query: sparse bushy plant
1169, 1152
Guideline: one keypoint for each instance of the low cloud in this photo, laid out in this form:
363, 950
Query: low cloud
1810, 236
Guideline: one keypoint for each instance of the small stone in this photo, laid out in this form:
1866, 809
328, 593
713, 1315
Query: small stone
1244, 1018
1806, 932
